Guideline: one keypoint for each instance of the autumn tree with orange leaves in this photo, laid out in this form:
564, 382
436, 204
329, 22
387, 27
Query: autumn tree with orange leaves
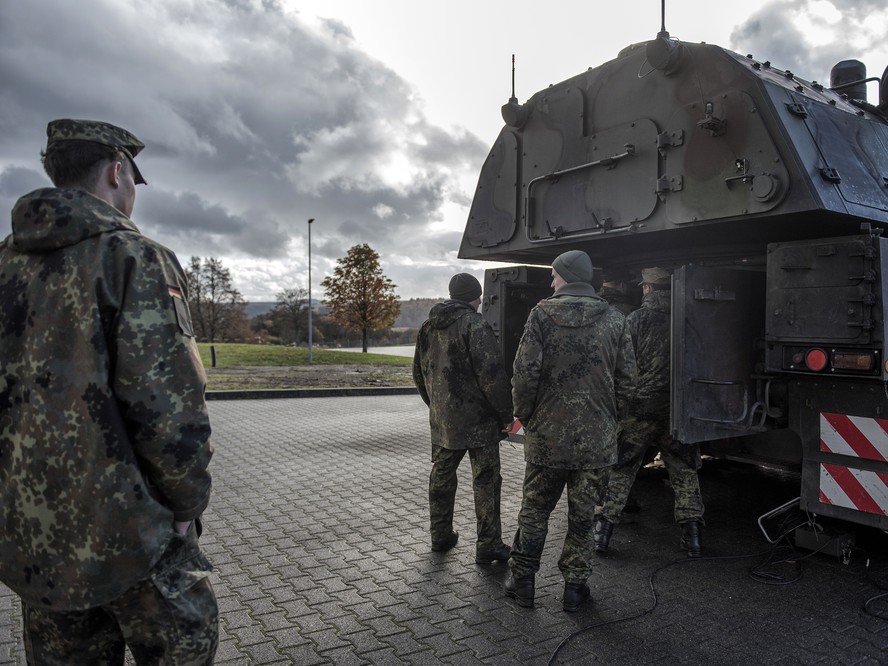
359, 296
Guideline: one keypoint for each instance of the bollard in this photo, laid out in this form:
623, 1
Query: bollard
213, 355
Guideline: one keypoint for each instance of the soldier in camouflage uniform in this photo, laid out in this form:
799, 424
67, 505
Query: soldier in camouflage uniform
573, 373
616, 293
648, 425
104, 433
459, 371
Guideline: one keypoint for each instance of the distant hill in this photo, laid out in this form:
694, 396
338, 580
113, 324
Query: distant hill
258, 308
414, 311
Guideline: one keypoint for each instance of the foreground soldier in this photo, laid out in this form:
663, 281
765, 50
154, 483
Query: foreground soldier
648, 425
460, 374
104, 434
573, 373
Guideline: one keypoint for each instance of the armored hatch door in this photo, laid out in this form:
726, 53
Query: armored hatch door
717, 321
509, 295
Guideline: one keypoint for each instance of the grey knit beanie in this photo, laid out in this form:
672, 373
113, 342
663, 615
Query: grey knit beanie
464, 287
574, 266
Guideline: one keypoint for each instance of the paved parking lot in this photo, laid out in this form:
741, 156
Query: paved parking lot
318, 532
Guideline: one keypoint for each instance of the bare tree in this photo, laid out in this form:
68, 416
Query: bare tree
217, 308
360, 297
291, 313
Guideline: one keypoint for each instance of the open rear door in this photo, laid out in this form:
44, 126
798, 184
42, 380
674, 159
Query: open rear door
717, 325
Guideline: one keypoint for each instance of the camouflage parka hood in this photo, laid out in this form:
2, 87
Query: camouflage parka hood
460, 374
104, 432
50, 219
573, 374
574, 305
444, 314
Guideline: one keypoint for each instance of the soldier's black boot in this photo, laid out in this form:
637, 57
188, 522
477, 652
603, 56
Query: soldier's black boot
522, 590
445, 544
692, 538
496, 553
601, 535
574, 595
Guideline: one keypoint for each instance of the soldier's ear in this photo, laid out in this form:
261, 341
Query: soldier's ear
113, 173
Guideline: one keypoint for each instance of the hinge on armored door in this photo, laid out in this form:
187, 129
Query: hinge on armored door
668, 184
669, 139
717, 294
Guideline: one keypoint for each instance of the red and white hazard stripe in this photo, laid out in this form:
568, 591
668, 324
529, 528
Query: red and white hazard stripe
516, 433
850, 487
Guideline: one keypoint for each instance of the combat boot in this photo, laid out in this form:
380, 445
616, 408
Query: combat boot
692, 538
446, 544
601, 535
522, 590
498, 553
574, 595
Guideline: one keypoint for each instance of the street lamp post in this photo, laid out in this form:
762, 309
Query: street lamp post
310, 220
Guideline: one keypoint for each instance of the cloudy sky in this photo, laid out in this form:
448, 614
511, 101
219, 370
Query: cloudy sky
371, 116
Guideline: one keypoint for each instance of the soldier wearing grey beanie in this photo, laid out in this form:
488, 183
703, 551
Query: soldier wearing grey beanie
572, 377
464, 287
574, 266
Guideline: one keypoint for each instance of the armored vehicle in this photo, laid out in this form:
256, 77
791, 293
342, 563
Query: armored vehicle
766, 195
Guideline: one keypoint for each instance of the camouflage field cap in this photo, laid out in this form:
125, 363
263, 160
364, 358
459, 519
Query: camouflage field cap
97, 131
659, 276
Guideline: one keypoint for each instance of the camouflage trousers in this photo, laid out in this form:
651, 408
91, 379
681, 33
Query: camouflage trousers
543, 487
682, 462
169, 619
486, 486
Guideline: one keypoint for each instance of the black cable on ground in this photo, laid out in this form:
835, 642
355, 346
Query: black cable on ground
653, 605
878, 578
776, 555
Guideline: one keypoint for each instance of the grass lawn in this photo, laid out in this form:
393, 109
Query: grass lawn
262, 367
234, 355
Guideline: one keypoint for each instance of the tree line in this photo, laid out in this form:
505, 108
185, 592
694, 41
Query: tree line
360, 299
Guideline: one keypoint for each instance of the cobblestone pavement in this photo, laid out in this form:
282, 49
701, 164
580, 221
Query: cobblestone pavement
318, 532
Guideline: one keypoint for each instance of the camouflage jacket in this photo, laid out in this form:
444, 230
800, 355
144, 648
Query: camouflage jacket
573, 375
104, 433
650, 328
459, 371
617, 299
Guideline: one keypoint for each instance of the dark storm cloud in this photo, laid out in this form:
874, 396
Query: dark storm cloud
202, 228
776, 33
254, 119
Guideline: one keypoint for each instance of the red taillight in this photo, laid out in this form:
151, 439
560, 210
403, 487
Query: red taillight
816, 359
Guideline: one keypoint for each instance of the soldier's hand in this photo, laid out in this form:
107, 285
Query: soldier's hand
182, 527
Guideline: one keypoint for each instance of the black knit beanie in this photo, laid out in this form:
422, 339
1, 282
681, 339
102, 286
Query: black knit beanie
464, 287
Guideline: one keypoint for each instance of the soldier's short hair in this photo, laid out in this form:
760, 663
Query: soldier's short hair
77, 163
76, 149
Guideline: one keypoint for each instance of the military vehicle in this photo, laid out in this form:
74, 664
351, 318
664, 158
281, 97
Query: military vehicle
766, 195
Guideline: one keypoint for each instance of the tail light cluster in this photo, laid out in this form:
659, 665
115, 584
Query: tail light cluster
831, 360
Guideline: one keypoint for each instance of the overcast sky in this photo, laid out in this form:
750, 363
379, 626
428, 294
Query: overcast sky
371, 116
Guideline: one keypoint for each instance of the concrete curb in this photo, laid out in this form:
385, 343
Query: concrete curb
332, 392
